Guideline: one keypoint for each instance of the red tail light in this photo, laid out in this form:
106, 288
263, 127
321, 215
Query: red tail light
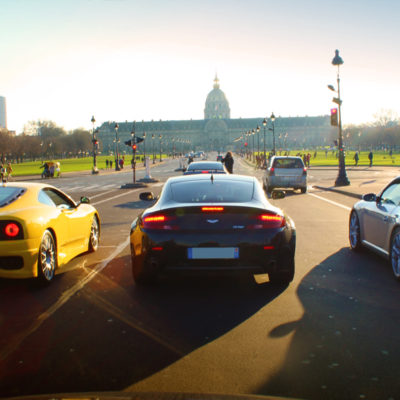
304, 171
160, 221
271, 171
212, 209
11, 230
268, 221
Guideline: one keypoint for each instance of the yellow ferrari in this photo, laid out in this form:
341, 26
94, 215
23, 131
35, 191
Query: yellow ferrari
42, 229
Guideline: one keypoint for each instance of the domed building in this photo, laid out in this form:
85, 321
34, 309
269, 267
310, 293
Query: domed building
217, 106
217, 131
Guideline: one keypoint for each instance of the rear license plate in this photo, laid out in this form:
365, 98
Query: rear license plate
199, 253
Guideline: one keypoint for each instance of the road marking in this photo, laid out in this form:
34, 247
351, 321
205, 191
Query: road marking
101, 194
330, 201
115, 197
18, 339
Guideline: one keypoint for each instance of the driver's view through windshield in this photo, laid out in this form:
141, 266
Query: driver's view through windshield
200, 199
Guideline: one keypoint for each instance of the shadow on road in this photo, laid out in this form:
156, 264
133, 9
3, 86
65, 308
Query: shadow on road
346, 346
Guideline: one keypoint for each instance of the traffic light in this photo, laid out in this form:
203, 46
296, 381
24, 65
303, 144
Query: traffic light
334, 116
134, 146
245, 144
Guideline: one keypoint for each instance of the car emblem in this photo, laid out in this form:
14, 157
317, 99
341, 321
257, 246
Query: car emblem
212, 221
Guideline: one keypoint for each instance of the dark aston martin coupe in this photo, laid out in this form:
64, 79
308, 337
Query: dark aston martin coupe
212, 223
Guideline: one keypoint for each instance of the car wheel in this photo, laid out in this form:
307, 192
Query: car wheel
354, 232
47, 261
286, 274
395, 253
143, 272
303, 190
269, 189
94, 235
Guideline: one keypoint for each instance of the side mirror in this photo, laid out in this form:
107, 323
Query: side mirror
370, 197
84, 200
184, 169
278, 194
147, 196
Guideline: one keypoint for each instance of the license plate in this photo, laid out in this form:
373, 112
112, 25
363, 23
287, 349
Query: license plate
201, 253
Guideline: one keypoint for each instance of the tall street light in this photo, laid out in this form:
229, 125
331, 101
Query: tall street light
144, 148
253, 132
258, 140
95, 143
264, 125
160, 147
341, 179
116, 148
272, 118
152, 145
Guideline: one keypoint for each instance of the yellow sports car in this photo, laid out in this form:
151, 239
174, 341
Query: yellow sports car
42, 229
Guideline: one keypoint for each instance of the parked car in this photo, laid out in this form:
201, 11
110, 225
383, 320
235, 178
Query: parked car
206, 167
42, 229
220, 157
213, 223
375, 223
285, 172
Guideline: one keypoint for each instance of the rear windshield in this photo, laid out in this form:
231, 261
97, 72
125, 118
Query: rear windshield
288, 163
205, 166
9, 194
211, 192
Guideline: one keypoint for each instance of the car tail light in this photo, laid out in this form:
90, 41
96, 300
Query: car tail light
304, 171
160, 221
204, 172
268, 221
212, 209
11, 230
271, 171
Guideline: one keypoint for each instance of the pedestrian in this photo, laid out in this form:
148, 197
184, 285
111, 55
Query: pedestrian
356, 158
370, 158
2, 173
107, 163
9, 170
110, 164
228, 161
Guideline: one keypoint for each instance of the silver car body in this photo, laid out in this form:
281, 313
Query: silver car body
375, 223
285, 172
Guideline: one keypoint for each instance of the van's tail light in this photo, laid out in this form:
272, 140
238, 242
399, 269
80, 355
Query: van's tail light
271, 171
10, 230
160, 221
267, 221
304, 171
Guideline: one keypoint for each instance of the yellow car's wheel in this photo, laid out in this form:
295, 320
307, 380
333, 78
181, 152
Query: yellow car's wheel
47, 262
94, 235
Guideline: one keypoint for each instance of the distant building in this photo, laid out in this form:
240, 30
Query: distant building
3, 113
217, 131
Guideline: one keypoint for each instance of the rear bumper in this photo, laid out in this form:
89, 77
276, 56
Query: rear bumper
18, 258
287, 181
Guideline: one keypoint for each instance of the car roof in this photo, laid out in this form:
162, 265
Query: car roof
201, 164
207, 177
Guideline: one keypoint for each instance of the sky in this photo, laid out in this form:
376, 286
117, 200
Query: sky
119, 60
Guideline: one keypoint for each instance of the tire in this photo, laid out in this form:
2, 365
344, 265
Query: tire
354, 232
94, 235
286, 275
47, 261
269, 189
303, 190
395, 253
143, 272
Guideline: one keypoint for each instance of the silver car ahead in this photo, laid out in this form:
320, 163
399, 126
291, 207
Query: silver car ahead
375, 223
285, 172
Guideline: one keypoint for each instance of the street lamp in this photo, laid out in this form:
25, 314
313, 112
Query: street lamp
116, 148
264, 125
258, 140
341, 179
152, 146
95, 142
144, 148
160, 147
272, 118
253, 132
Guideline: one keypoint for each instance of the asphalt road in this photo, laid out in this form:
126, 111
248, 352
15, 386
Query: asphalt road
333, 333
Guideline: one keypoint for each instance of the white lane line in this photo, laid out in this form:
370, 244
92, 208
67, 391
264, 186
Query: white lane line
330, 201
18, 339
74, 188
115, 197
101, 194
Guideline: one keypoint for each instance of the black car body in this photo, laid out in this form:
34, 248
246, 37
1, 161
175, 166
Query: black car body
213, 223
205, 167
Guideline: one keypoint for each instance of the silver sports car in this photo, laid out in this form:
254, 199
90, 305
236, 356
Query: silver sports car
375, 223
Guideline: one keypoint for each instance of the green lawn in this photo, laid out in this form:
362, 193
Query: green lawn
86, 164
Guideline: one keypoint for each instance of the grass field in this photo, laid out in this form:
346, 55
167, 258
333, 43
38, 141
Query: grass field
321, 159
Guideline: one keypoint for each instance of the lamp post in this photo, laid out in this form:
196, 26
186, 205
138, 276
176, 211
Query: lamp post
253, 132
341, 179
258, 140
160, 147
144, 148
116, 148
152, 145
95, 142
272, 118
133, 145
264, 125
